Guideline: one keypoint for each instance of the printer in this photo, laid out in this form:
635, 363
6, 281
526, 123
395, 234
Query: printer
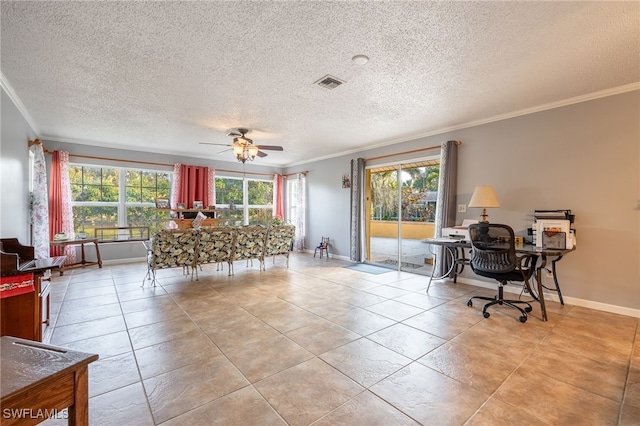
459, 232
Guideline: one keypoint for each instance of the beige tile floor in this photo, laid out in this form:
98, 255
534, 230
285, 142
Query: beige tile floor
320, 344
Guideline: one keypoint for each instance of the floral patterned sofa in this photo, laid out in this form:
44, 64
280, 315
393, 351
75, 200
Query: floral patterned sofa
171, 248
249, 244
279, 241
215, 245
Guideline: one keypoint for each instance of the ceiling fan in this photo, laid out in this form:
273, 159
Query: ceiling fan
243, 148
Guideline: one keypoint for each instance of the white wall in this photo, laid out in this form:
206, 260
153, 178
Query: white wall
14, 172
328, 211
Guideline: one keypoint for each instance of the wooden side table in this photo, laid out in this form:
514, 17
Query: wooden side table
37, 381
83, 261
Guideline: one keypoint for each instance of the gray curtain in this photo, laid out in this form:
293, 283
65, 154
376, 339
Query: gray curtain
357, 209
446, 204
298, 220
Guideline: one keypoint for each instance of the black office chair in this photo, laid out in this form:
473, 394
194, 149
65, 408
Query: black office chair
493, 255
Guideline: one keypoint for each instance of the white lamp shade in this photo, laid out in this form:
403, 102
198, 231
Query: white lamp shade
484, 197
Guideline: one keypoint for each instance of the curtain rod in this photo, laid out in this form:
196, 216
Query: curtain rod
38, 142
120, 160
161, 164
296, 173
408, 152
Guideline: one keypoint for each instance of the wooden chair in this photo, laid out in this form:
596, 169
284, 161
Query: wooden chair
324, 245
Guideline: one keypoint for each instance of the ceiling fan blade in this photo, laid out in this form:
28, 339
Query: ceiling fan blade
262, 154
217, 144
270, 147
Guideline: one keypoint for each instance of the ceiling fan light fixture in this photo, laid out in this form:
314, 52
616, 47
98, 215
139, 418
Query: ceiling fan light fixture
244, 149
253, 151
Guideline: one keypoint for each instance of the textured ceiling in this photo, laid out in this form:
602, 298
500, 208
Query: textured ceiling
164, 76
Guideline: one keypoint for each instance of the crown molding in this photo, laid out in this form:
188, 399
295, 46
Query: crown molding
6, 86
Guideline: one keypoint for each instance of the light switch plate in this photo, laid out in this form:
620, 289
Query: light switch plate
462, 208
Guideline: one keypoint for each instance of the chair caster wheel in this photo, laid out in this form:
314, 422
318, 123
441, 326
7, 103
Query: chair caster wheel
486, 314
523, 319
469, 303
528, 309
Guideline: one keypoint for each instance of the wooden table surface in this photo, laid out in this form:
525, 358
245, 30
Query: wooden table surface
38, 379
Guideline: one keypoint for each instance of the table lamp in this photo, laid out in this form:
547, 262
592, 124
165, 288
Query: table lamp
484, 197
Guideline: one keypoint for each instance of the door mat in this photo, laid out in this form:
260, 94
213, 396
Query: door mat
405, 265
369, 269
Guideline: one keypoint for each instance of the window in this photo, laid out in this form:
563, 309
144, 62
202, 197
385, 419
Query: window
294, 199
296, 208
260, 194
418, 189
229, 191
142, 188
258, 210
111, 197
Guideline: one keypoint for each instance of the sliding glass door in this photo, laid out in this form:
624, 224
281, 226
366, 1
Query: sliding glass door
401, 204
383, 224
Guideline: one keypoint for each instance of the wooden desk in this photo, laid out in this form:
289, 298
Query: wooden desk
456, 248
37, 381
83, 261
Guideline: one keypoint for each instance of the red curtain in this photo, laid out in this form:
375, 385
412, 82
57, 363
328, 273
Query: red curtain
278, 204
194, 185
55, 202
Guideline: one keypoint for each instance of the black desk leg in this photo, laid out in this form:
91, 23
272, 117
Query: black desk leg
555, 278
543, 308
460, 262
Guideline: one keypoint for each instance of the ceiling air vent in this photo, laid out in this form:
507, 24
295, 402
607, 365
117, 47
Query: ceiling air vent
329, 82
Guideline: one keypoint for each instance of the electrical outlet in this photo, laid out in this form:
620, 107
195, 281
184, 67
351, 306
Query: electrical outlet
462, 208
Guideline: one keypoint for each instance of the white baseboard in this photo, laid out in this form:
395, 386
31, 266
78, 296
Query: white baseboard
331, 255
615, 309
127, 260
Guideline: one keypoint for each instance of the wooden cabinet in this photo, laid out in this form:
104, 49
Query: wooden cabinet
28, 315
223, 217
